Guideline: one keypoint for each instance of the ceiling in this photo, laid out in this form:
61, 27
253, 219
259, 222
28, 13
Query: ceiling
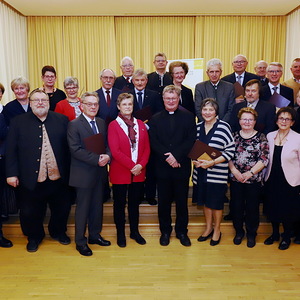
152, 7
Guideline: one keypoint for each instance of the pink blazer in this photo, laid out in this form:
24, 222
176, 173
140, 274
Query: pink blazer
121, 163
290, 157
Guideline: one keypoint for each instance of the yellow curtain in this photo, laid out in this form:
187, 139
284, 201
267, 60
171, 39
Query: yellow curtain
142, 37
226, 36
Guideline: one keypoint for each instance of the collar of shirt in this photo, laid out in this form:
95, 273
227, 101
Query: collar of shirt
213, 84
89, 119
125, 77
297, 80
137, 91
236, 75
253, 104
271, 88
104, 91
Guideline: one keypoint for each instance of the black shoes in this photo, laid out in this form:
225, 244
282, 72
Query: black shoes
121, 241
84, 250
164, 239
215, 243
151, 201
33, 245
5, 243
238, 238
271, 239
284, 244
99, 241
62, 238
297, 239
251, 242
184, 239
202, 238
138, 238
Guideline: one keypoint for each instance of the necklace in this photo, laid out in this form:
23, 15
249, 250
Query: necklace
281, 139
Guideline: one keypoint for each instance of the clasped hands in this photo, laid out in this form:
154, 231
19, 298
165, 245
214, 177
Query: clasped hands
242, 177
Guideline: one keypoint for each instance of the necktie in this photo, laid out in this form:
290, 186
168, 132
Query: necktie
239, 79
128, 79
140, 99
93, 127
250, 105
274, 88
108, 97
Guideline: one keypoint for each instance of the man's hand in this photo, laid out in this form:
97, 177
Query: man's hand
171, 160
13, 181
103, 160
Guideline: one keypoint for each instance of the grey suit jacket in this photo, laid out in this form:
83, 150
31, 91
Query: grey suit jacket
224, 96
85, 171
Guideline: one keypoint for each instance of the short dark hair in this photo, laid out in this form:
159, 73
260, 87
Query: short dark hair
181, 64
288, 110
212, 102
254, 81
2, 88
48, 69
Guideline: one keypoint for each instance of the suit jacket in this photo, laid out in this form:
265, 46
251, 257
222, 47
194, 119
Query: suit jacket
154, 82
24, 146
293, 85
12, 109
108, 113
264, 82
151, 98
224, 95
121, 162
266, 116
290, 157
85, 171
175, 133
187, 99
122, 84
285, 91
248, 76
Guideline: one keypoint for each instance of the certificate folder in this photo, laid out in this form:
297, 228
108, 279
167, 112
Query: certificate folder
143, 114
202, 151
95, 143
238, 89
279, 101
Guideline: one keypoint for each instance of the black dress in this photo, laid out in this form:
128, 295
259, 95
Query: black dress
283, 201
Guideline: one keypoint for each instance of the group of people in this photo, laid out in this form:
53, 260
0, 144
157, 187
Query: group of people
55, 144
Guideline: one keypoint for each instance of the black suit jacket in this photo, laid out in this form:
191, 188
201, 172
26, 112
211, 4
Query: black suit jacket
85, 171
175, 133
266, 116
24, 146
248, 76
12, 109
285, 91
122, 84
154, 82
187, 99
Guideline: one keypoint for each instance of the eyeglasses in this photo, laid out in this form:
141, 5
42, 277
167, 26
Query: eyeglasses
127, 66
170, 99
179, 73
281, 119
274, 71
106, 78
248, 120
39, 100
49, 76
69, 88
237, 62
89, 104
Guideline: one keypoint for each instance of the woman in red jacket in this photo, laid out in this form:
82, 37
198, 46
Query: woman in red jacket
129, 144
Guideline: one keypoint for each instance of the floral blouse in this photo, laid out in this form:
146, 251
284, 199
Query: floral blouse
248, 152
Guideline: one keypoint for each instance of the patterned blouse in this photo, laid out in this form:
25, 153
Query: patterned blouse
248, 152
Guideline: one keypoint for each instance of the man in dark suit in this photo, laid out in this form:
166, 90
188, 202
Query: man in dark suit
37, 160
108, 96
274, 73
220, 90
240, 74
261, 71
124, 82
87, 175
160, 78
266, 111
172, 135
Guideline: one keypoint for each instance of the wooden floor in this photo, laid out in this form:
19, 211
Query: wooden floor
151, 271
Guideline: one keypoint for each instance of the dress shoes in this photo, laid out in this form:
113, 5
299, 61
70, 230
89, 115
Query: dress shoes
238, 238
151, 201
62, 238
138, 238
100, 241
215, 243
251, 242
5, 243
121, 241
33, 245
164, 239
297, 239
84, 250
284, 244
271, 239
203, 238
184, 239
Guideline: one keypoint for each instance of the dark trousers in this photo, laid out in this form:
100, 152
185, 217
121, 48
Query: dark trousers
89, 212
151, 181
33, 206
134, 190
245, 199
287, 229
170, 190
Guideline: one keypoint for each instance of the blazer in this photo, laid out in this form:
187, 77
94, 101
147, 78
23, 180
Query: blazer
63, 107
285, 91
24, 146
121, 162
12, 109
154, 82
175, 133
108, 113
266, 116
122, 84
293, 85
151, 98
290, 157
248, 76
187, 99
224, 95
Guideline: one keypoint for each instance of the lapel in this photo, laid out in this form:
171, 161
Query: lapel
86, 125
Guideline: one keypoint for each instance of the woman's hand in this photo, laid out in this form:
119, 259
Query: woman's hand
205, 164
136, 170
247, 175
238, 176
